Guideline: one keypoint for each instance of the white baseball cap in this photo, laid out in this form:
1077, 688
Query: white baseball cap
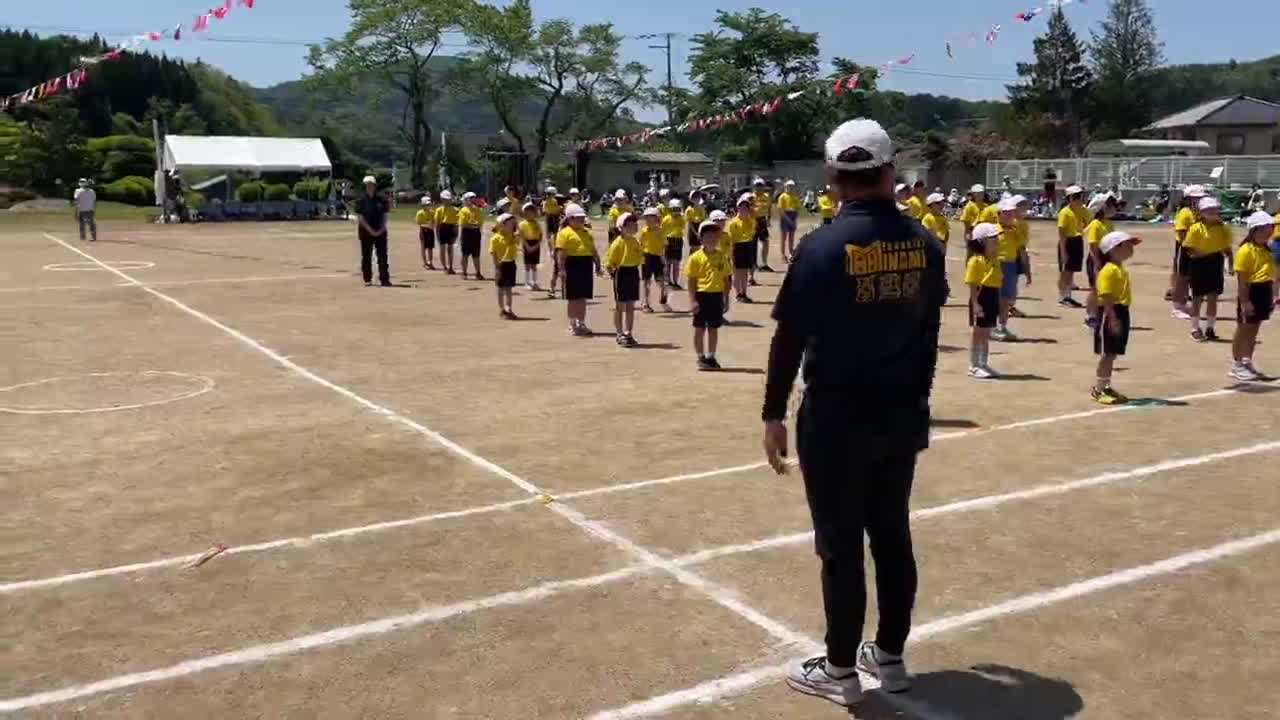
1209, 203
426, 200
503, 203
574, 210
935, 198
83, 182
1021, 200
789, 183
651, 212
900, 187
1073, 190
1096, 203
745, 198
982, 231
977, 188
758, 182
1260, 219
664, 192
1008, 204
468, 195
624, 218
707, 225
863, 142
574, 191
446, 195
902, 207
551, 189
694, 192
718, 216
1194, 191
528, 206
620, 195
370, 180
675, 203
1112, 240
504, 217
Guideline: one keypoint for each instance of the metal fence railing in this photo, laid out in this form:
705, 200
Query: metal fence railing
1141, 173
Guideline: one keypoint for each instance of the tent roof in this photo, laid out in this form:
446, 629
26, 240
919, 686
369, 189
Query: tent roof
262, 154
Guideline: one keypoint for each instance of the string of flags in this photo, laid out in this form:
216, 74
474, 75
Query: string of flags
838, 86
77, 76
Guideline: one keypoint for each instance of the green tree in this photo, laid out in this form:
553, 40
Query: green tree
572, 82
186, 121
1056, 91
1125, 52
751, 57
393, 40
50, 152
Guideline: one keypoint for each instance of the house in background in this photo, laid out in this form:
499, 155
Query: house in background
1238, 125
607, 171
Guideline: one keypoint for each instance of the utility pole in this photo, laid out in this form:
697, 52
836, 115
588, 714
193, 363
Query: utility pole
666, 47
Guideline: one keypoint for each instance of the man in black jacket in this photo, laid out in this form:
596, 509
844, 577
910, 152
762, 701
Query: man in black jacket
371, 214
861, 304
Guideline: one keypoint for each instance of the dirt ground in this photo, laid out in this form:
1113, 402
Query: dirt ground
238, 483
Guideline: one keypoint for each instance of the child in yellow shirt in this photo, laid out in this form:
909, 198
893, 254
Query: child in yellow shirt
826, 207
446, 221
653, 244
707, 272
531, 242
470, 218
425, 218
1115, 295
503, 248
1204, 246
1255, 280
984, 277
673, 229
788, 203
623, 260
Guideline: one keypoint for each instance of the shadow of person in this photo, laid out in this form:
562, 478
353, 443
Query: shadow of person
983, 692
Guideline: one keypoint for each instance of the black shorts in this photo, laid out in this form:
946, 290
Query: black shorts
427, 236
827, 221
448, 234
989, 301
1091, 272
694, 242
470, 242
1181, 260
578, 276
533, 256
1261, 295
626, 284
613, 232
506, 274
652, 266
762, 229
553, 225
1205, 273
675, 250
710, 310
1073, 261
743, 258
1106, 342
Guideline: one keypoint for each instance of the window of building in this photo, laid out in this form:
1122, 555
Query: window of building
1230, 144
662, 175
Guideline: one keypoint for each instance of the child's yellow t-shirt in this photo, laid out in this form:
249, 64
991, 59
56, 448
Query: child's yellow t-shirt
915, 207
990, 214
575, 242
424, 217
826, 206
707, 271
1275, 234
624, 251
1096, 230
694, 215
673, 226
981, 271
471, 216
1069, 221
972, 212
1207, 239
503, 246
530, 231
447, 215
1184, 219
788, 202
1113, 283
652, 240
937, 225
741, 230
1254, 262
551, 207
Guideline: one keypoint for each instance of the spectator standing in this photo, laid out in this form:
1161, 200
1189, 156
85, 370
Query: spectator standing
371, 217
85, 201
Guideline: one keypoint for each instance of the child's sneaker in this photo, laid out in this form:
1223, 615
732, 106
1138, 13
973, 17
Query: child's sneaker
629, 341
1209, 334
713, 362
704, 363
1197, 335
980, 373
890, 670
1178, 313
1240, 371
810, 677
1015, 312
1116, 395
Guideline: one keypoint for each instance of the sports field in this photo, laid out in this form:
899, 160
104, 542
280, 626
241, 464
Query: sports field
238, 483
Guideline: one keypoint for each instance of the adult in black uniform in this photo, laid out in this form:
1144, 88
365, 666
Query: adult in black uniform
371, 215
861, 303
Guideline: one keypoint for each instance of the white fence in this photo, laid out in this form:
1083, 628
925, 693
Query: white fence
1141, 173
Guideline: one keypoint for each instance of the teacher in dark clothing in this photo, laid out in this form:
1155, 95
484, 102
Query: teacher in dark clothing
861, 304
371, 215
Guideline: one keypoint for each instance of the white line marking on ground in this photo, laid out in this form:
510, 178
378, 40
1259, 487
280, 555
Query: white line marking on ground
206, 384
711, 590
988, 502
177, 283
95, 266
742, 682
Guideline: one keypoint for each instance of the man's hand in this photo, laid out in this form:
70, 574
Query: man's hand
1113, 324
775, 445
693, 308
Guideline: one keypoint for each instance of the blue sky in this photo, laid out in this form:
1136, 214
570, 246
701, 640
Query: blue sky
868, 33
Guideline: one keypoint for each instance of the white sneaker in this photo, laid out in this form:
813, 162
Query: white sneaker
810, 677
980, 373
1179, 314
999, 335
1249, 364
1240, 371
890, 670
991, 372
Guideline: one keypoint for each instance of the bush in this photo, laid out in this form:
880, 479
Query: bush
131, 190
276, 192
311, 189
18, 195
250, 192
118, 156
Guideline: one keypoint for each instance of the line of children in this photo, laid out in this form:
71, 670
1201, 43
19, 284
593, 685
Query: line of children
983, 276
1072, 220
1255, 269
672, 227
741, 234
623, 260
707, 272
426, 220
530, 233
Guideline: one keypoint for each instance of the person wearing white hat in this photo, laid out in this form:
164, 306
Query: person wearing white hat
916, 201
371, 218
788, 203
1205, 245
577, 255
673, 229
1097, 228
530, 234
1115, 296
707, 272
553, 210
621, 204
1255, 271
862, 304
85, 201
1008, 252
1072, 219
826, 206
425, 219
470, 219
623, 261
761, 214
741, 232
971, 214
695, 213
934, 218
1188, 214
984, 277
901, 195
446, 229
504, 248
653, 267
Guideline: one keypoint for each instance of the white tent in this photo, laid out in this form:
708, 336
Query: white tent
251, 154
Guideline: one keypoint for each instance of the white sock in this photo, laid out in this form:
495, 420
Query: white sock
1209, 323
1195, 322
711, 356
837, 672
975, 357
1103, 383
